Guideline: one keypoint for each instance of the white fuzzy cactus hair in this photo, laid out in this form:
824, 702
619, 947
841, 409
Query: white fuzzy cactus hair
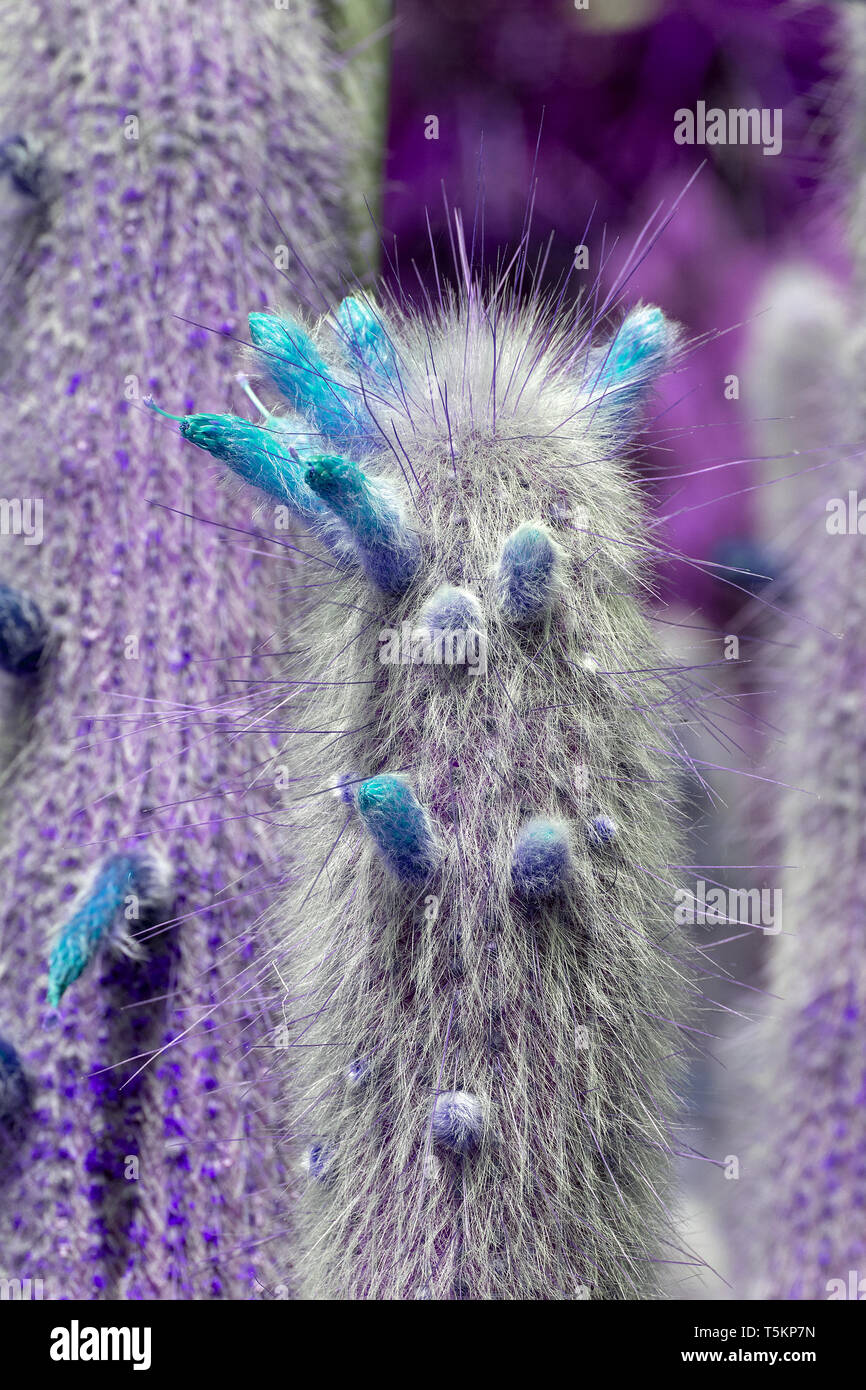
485, 984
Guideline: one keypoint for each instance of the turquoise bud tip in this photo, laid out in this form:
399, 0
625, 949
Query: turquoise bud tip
290, 358
340, 483
386, 548
642, 348
399, 826
127, 887
265, 458
87, 928
364, 340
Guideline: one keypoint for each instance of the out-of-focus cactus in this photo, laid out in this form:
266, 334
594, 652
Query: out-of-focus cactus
148, 138
797, 385
801, 1196
485, 1004
362, 31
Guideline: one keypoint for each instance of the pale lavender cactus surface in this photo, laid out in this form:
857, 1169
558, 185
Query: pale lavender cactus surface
136, 1157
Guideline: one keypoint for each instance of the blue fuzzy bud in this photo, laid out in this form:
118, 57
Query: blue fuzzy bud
386, 548
457, 1122
601, 832
137, 883
452, 610
13, 1082
23, 632
365, 340
528, 572
399, 826
453, 624
289, 357
541, 863
640, 351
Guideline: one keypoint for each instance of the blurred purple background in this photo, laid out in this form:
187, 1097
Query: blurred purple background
583, 101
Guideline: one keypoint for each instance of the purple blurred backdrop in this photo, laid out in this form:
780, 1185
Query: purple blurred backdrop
578, 106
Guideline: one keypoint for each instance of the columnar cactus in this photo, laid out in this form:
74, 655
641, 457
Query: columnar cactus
801, 1196
164, 147
484, 980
